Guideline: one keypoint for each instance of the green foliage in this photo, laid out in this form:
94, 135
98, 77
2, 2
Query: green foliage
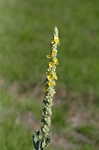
14, 136
59, 119
87, 147
90, 131
25, 28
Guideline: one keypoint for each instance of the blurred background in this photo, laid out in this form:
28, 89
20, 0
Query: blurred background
26, 28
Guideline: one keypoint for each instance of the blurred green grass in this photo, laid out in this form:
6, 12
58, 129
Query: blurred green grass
26, 28
25, 31
15, 129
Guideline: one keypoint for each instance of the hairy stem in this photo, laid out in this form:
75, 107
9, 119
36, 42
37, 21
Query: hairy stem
41, 137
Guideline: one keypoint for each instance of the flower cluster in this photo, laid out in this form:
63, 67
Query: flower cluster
51, 72
41, 138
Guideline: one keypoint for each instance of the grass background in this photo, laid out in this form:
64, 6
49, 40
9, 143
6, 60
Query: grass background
25, 31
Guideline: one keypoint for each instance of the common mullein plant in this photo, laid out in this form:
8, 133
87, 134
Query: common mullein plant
41, 138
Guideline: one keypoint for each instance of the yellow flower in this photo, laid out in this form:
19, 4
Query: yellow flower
54, 52
55, 61
56, 40
49, 77
51, 83
52, 76
51, 64
55, 76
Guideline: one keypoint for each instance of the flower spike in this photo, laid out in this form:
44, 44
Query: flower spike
41, 138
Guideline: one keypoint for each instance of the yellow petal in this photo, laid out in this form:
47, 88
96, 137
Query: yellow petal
55, 60
56, 40
51, 64
54, 53
51, 83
